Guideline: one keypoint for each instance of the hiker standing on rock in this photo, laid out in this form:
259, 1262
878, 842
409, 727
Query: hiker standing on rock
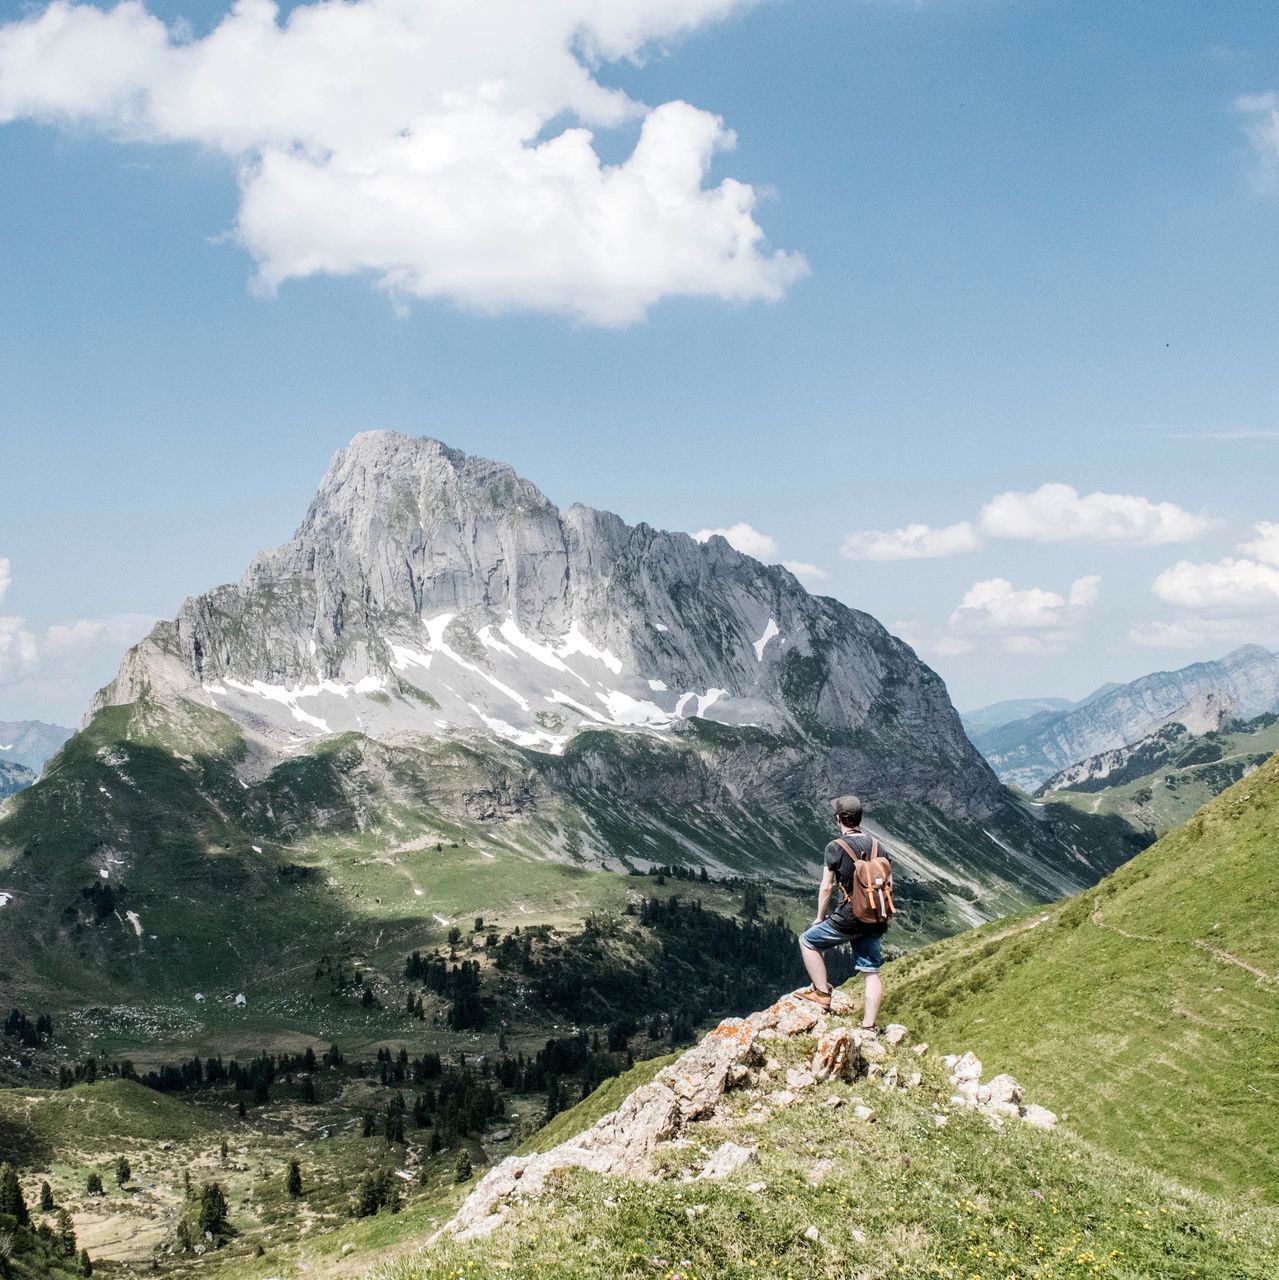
860, 873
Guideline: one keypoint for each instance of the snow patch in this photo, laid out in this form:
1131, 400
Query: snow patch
6, 746
762, 643
660, 626
657, 686
536, 738
543, 653
257, 848
485, 854
402, 658
5, 898
132, 918
285, 697
575, 642
440, 918
625, 710
435, 628
486, 637
708, 699
417, 893
104, 873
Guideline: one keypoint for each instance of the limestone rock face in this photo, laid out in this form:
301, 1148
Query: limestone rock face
432, 595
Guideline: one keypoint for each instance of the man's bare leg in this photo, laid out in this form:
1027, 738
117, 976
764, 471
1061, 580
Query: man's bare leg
874, 994
816, 967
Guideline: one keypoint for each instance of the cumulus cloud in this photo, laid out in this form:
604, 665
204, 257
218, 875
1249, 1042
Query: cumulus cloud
1084, 591
53, 675
1230, 583
996, 605
1058, 513
751, 542
740, 536
806, 572
445, 151
1265, 547
6, 577
18, 649
913, 542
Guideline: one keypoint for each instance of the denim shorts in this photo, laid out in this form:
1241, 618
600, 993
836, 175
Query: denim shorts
866, 950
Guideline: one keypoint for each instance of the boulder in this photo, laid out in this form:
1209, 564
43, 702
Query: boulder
966, 1068
894, 1033
727, 1159
1003, 1088
838, 1056
1040, 1117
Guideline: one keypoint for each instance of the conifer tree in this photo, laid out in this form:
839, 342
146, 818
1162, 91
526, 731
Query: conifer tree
93, 1184
86, 1263
463, 1171
46, 1198
122, 1171
308, 1089
222, 1151
293, 1182
66, 1234
11, 1201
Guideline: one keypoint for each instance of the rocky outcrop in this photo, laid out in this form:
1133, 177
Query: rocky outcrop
734, 1056
1031, 751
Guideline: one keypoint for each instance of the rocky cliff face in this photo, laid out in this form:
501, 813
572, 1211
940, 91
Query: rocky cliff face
438, 594
1027, 754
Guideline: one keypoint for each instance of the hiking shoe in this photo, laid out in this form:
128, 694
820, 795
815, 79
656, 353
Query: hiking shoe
811, 994
873, 1030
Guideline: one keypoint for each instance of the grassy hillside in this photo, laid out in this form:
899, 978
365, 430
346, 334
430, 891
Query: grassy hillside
831, 1195
1145, 1011
1164, 785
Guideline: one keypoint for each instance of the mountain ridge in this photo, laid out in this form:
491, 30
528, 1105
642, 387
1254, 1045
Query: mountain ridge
1027, 753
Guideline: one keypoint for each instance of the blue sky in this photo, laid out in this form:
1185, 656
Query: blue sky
1042, 247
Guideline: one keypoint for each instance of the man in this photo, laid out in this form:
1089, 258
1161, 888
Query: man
831, 928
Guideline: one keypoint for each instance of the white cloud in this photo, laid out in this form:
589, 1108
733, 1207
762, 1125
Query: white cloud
443, 150
748, 541
1057, 513
6, 577
1266, 545
1230, 583
1186, 633
997, 604
53, 675
18, 650
806, 572
951, 646
1084, 591
914, 542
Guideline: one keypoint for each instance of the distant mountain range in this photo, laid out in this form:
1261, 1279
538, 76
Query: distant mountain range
440, 659
30, 742
985, 719
1027, 752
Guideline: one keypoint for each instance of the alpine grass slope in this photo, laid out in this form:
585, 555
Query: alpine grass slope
1146, 1010
439, 665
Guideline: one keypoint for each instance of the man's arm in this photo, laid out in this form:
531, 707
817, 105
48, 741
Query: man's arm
823, 895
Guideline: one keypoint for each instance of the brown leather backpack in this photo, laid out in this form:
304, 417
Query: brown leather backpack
871, 900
